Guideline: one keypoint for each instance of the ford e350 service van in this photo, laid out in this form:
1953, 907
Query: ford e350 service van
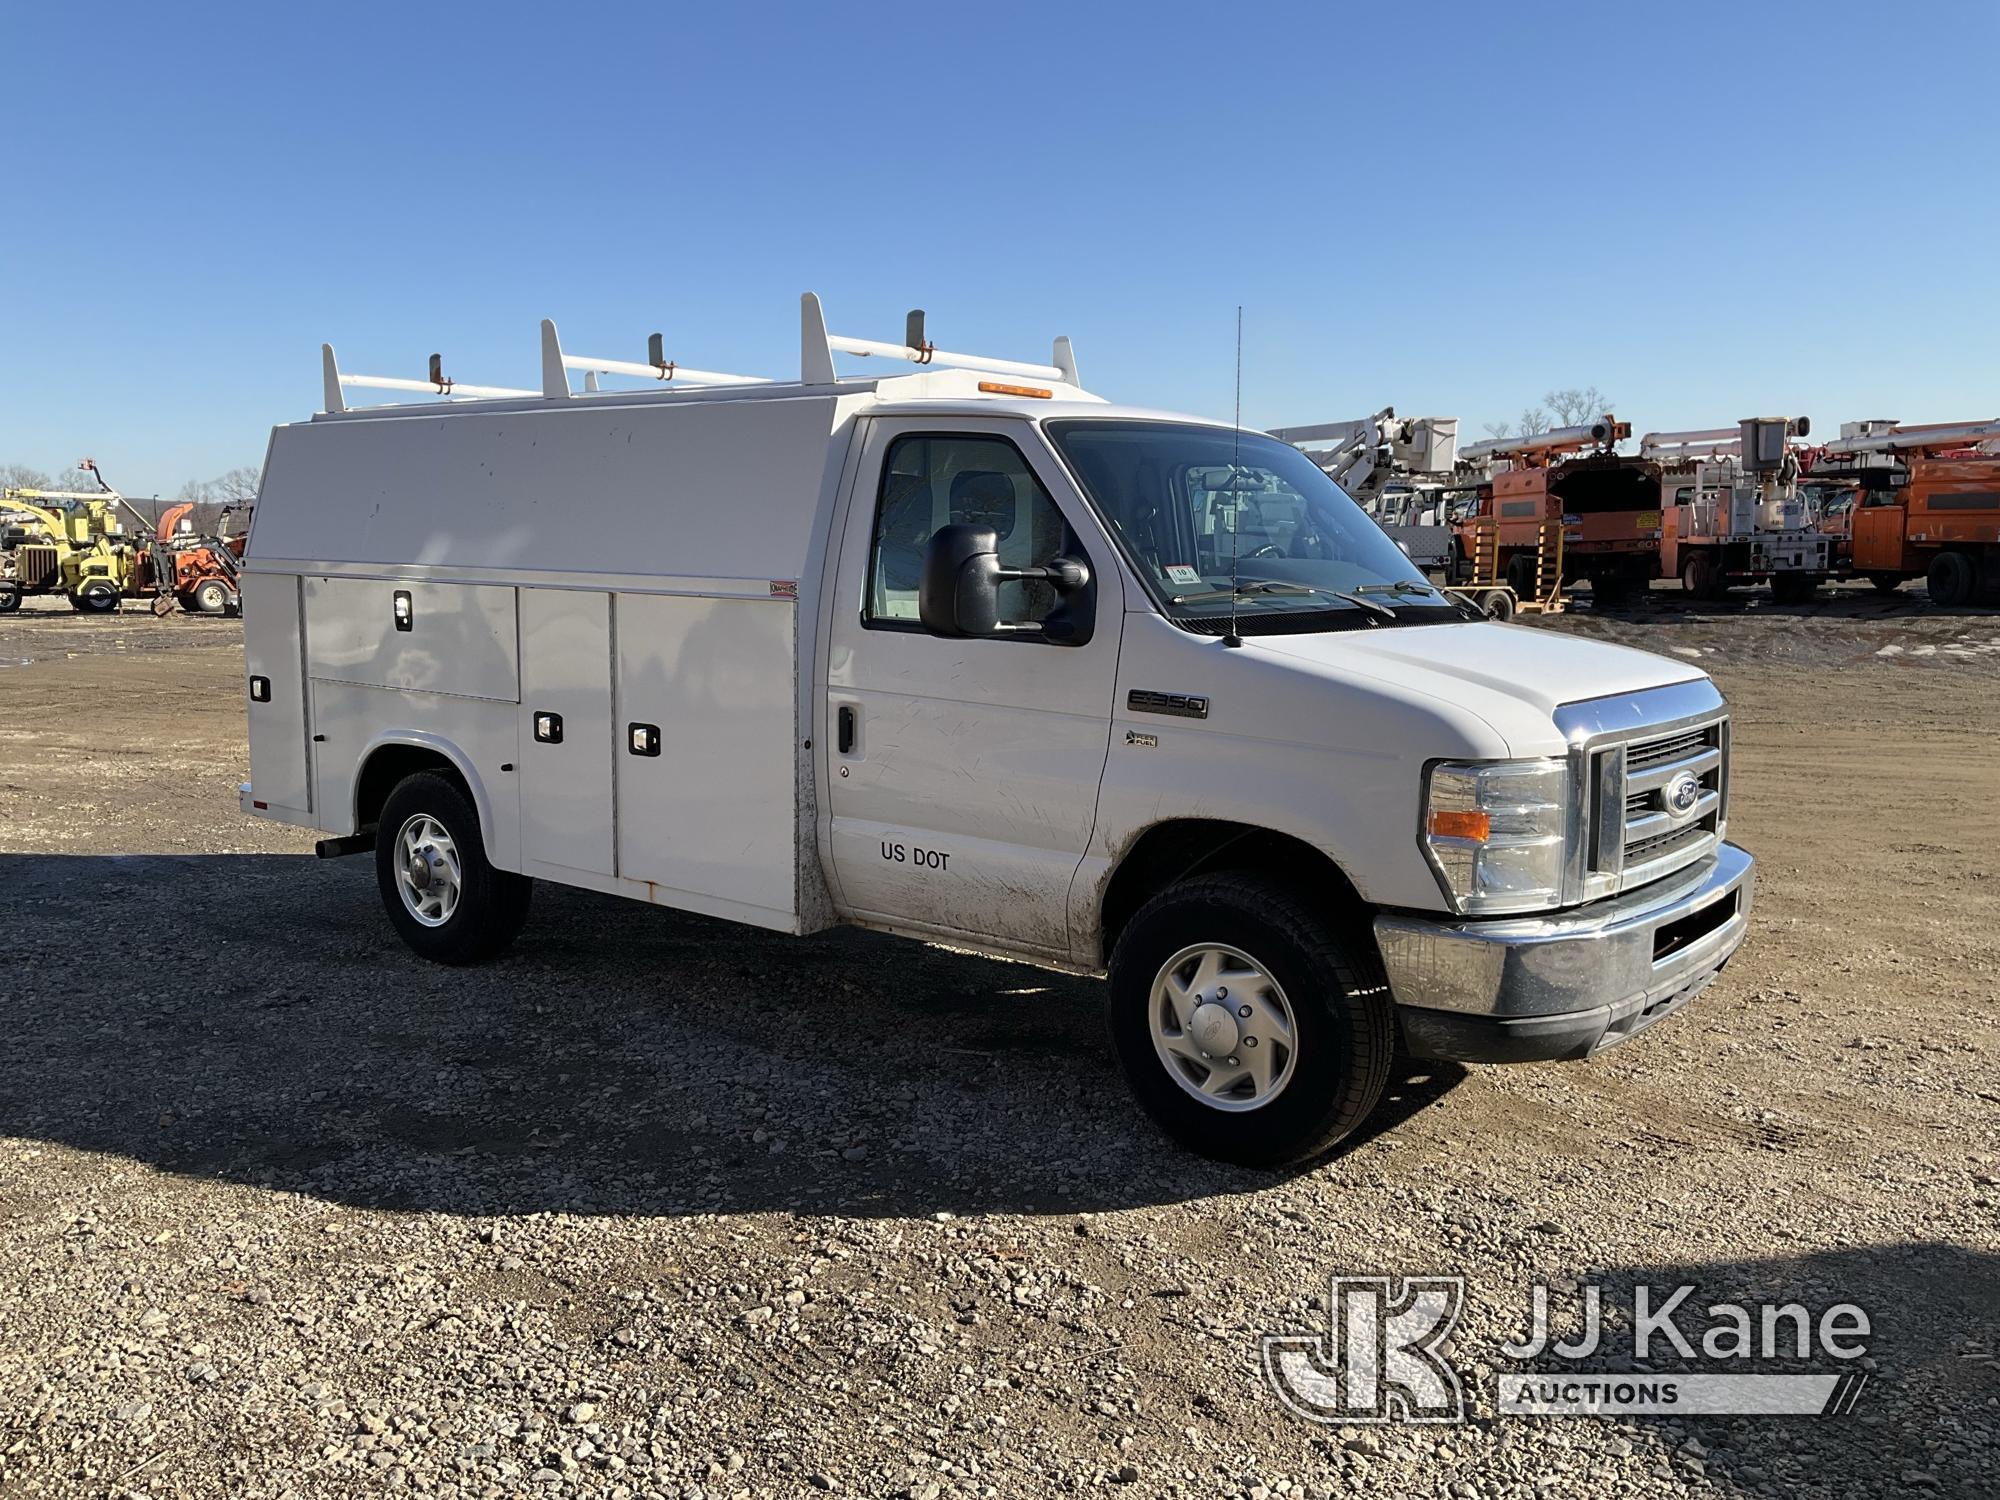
970, 654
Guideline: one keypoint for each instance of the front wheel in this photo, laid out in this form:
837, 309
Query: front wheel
446, 901
1885, 583
211, 597
10, 598
95, 599
1250, 1027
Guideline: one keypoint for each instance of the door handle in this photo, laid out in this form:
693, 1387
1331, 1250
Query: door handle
845, 735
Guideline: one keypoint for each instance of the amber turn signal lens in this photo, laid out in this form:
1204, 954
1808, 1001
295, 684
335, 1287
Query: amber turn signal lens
1462, 825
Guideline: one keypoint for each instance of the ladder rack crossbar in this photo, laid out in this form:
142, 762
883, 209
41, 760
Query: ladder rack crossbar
452, 388
678, 374
867, 348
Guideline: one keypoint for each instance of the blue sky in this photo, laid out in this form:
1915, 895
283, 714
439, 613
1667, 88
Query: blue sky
1707, 211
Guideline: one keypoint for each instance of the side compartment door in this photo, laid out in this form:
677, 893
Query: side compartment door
963, 774
274, 655
565, 767
707, 758
1878, 531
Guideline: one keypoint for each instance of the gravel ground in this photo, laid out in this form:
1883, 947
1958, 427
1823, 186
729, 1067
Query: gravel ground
659, 1206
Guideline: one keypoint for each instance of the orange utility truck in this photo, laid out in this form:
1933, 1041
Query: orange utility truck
1928, 504
1607, 504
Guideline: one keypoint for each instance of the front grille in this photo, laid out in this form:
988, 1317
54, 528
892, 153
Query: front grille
1646, 754
1659, 802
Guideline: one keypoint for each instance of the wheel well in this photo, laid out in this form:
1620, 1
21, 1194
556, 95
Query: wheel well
1168, 853
389, 765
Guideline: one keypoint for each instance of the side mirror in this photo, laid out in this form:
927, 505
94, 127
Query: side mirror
959, 593
958, 596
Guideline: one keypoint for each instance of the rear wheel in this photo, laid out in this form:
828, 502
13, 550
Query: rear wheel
211, 597
1950, 579
1699, 577
1498, 604
446, 901
1521, 575
95, 599
1609, 593
1793, 588
1251, 1028
1886, 583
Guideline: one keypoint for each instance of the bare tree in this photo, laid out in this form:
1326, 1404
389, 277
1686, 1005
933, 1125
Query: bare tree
1532, 420
1573, 407
237, 485
21, 477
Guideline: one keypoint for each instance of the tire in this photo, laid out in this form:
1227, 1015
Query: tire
1330, 982
489, 906
211, 597
1699, 578
1886, 583
1950, 579
1793, 588
1521, 575
10, 599
96, 599
1498, 604
1609, 593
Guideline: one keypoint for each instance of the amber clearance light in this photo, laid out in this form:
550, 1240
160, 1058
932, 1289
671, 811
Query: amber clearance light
995, 388
1462, 825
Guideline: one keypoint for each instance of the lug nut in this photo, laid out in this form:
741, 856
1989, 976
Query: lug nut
1232, 1062
1244, 1012
1249, 1041
1222, 992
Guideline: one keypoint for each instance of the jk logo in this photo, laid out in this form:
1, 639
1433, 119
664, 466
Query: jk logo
1378, 1359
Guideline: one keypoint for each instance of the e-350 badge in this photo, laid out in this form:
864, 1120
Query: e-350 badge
1175, 705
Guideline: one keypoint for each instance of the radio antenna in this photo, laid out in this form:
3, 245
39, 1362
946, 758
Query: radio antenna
1235, 495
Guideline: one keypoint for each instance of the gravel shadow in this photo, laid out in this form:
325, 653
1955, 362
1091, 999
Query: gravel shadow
253, 1018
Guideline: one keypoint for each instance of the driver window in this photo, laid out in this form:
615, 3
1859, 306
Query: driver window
934, 480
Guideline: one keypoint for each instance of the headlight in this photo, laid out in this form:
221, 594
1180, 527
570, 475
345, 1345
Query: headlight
1495, 832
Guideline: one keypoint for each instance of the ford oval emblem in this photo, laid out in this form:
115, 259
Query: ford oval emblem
1681, 794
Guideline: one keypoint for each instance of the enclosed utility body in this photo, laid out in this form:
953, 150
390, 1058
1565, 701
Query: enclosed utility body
970, 654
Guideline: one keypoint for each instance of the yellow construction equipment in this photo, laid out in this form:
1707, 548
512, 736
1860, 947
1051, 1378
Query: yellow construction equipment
1494, 594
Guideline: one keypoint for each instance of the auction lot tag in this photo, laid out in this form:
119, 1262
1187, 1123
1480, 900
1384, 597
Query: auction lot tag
1181, 573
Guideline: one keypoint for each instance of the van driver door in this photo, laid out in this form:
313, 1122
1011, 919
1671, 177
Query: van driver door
962, 775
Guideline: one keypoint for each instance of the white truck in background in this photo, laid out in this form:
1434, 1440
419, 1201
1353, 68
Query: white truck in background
1733, 512
969, 654
1401, 471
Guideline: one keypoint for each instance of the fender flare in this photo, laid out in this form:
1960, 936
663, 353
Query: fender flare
418, 739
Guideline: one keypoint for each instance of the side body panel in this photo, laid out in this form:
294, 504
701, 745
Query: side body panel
565, 782
706, 748
274, 651
477, 735
459, 639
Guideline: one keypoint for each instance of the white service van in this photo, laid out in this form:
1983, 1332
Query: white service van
969, 654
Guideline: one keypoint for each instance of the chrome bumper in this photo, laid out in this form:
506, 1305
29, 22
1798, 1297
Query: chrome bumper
1571, 983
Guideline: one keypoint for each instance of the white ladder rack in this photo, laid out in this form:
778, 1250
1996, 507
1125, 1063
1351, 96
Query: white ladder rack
816, 350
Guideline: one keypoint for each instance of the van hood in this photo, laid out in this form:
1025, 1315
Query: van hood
1512, 676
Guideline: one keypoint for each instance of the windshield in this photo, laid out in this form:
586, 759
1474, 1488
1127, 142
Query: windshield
1193, 506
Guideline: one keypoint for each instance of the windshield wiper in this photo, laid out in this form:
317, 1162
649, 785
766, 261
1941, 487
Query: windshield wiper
1282, 586
1400, 586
